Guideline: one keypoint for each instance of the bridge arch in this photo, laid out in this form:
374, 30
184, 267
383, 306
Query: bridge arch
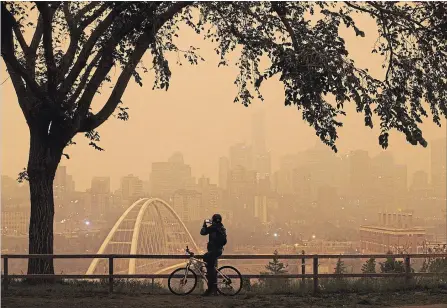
148, 226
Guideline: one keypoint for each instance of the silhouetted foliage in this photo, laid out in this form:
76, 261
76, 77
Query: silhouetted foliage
369, 267
275, 267
434, 264
391, 265
55, 85
340, 267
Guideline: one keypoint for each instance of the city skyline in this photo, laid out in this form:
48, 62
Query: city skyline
205, 122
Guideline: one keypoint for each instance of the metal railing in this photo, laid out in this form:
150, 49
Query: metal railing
315, 275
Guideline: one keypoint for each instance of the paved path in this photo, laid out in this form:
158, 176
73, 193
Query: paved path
424, 306
58, 300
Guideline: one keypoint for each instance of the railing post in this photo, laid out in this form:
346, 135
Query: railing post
303, 267
111, 274
407, 270
316, 288
5, 274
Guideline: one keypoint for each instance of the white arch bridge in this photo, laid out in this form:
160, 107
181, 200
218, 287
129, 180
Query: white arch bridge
148, 226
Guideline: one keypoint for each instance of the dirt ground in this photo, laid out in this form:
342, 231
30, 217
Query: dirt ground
55, 300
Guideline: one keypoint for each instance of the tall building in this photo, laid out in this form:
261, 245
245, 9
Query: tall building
63, 183
131, 188
400, 186
168, 177
419, 181
242, 182
101, 199
261, 156
224, 169
438, 161
15, 221
382, 193
241, 156
100, 185
258, 132
260, 208
187, 204
359, 174
209, 192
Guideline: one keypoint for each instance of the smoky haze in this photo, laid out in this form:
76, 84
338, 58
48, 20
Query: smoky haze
197, 117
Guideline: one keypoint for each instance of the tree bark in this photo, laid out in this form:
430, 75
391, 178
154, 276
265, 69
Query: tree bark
44, 157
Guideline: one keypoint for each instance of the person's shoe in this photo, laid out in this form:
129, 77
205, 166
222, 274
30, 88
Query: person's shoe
210, 292
207, 293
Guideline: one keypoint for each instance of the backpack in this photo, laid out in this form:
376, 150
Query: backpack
221, 236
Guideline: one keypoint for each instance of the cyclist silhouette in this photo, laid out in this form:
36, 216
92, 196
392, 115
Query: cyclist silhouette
217, 239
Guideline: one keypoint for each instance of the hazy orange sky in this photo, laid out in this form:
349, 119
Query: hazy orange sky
197, 116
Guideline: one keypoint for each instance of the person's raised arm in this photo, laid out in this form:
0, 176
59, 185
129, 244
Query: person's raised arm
204, 230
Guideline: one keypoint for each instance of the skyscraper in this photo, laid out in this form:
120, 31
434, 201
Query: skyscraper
224, 169
131, 188
359, 173
100, 198
101, 185
261, 157
168, 177
241, 156
438, 162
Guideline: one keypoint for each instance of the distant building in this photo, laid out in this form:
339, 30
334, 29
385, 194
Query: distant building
260, 208
438, 161
63, 185
210, 194
394, 232
168, 177
224, 169
15, 222
187, 204
241, 156
131, 188
100, 185
241, 182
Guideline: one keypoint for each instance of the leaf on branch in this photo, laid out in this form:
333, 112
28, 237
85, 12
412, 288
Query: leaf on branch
95, 146
94, 137
23, 176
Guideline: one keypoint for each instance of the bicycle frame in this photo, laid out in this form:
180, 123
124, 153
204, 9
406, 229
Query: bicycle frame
197, 264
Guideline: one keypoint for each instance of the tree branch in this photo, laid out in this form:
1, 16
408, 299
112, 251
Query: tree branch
20, 38
88, 20
107, 110
88, 124
281, 11
7, 51
47, 17
84, 10
84, 79
86, 50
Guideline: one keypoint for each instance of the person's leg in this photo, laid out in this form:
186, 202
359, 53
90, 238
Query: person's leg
213, 274
211, 271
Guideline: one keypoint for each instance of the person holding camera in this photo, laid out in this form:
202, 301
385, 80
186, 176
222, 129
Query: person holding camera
216, 241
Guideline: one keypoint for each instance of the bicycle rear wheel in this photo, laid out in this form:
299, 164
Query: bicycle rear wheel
182, 281
229, 281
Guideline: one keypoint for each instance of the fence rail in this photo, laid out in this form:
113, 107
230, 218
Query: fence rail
314, 276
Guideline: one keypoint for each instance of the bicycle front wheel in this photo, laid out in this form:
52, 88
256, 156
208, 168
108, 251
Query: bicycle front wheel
182, 281
229, 280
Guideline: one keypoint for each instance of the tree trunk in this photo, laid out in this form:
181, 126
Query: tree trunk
44, 157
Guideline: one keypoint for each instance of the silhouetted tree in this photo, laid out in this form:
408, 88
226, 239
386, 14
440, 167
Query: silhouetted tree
391, 265
55, 84
369, 267
275, 267
340, 267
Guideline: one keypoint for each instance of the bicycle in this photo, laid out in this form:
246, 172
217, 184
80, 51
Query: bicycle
225, 282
